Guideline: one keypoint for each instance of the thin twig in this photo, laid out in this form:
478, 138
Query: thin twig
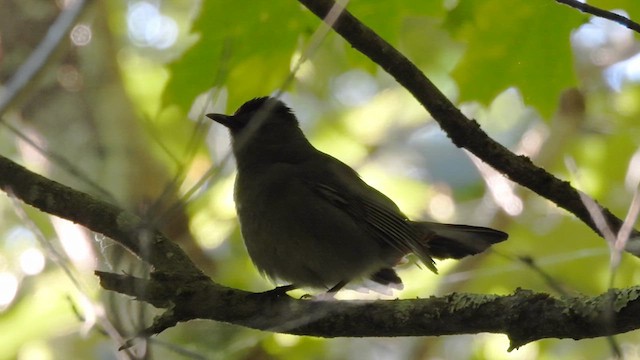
61, 162
41, 55
589, 9
614, 254
624, 235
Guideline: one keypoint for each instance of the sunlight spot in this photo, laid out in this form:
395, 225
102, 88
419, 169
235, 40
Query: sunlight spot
90, 313
632, 179
495, 345
504, 196
8, 289
500, 188
70, 78
75, 243
81, 35
35, 350
533, 140
286, 340
32, 261
148, 27
354, 88
624, 71
442, 207
20, 237
598, 33
63, 4
306, 70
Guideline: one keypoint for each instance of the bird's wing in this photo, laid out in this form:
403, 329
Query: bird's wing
378, 215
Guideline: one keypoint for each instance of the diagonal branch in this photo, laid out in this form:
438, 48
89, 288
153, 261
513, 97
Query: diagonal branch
589, 9
463, 132
99, 216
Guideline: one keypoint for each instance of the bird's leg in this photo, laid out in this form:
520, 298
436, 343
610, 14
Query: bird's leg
337, 287
330, 294
280, 290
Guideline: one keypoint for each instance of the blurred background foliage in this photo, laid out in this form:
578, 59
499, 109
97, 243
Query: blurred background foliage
118, 112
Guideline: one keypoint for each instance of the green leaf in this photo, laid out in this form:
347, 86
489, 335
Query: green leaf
387, 17
523, 44
246, 45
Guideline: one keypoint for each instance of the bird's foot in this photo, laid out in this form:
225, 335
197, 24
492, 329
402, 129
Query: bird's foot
279, 291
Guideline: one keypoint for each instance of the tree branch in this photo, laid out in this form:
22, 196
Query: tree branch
99, 216
589, 9
463, 132
523, 316
178, 286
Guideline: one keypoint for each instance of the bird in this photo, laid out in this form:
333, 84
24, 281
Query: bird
309, 221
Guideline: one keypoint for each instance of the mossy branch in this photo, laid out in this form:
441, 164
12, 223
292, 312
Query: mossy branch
179, 287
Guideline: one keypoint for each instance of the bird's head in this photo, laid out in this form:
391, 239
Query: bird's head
264, 129
256, 113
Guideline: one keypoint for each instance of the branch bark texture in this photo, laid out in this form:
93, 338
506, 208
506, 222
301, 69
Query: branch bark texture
99, 216
523, 316
179, 287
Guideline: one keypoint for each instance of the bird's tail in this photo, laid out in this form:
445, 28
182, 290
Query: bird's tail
449, 241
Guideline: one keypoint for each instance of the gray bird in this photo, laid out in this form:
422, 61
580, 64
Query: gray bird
309, 220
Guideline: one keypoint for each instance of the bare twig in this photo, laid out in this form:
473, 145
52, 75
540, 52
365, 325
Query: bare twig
41, 55
60, 161
624, 235
589, 9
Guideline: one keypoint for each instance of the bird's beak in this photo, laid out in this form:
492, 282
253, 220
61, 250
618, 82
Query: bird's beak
225, 120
